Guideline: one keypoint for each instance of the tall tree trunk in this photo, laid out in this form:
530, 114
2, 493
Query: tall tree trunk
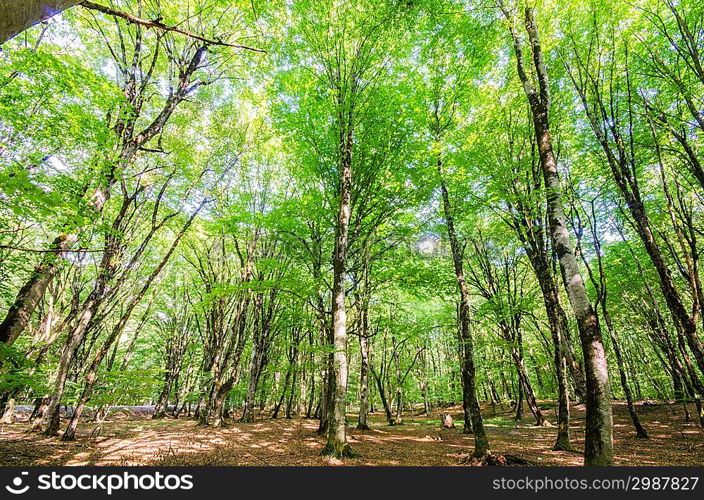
598, 446
291, 400
284, 391
337, 445
363, 375
162, 401
426, 401
535, 249
469, 389
466, 415
574, 368
363, 334
327, 389
602, 294
550, 297
92, 375
327, 380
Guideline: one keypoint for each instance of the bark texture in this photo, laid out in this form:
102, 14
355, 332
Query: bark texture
598, 448
18, 15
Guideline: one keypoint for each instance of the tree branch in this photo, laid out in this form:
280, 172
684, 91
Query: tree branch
159, 25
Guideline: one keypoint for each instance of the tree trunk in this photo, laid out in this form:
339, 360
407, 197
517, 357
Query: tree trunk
526, 388
426, 401
18, 15
518, 407
327, 388
550, 295
598, 446
399, 382
284, 391
469, 389
254, 375
292, 394
640, 431
382, 395
9, 412
363, 377
337, 445
162, 401
31, 293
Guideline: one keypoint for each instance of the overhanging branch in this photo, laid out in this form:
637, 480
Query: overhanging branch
159, 25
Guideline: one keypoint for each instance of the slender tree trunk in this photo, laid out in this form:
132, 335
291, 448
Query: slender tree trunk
426, 401
363, 378
284, 391
602, 293
599, 424
382, 396
549, 291
162, 401
254, 375
363, 334
327, 386
327, 389
469, 389
399, 382
467, 417
598, 447
640, 431
526, 388
518, 407
574, 368
291, 400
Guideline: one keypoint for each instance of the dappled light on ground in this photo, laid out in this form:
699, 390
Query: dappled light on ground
419, 441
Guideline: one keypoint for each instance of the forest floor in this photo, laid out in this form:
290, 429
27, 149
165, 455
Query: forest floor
138, 440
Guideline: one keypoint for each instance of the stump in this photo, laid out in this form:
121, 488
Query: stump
447, 421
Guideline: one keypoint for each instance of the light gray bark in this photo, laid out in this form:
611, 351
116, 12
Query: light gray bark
18, 15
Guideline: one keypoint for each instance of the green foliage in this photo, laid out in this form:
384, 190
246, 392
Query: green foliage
424, 92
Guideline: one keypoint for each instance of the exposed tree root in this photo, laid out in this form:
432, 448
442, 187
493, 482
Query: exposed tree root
491, 460
338, 450
561, 446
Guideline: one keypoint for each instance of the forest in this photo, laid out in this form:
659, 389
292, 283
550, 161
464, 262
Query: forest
351, 232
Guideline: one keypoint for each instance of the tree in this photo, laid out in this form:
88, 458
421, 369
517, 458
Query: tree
599, 433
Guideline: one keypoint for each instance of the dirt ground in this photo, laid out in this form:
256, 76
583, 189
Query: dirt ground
419, 441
